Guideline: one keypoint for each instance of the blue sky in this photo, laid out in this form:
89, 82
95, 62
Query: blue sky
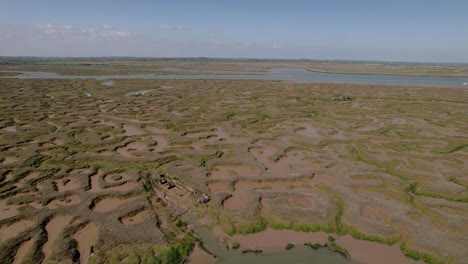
410, 30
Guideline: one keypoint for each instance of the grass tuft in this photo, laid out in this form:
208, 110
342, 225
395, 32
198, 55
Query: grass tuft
289, 246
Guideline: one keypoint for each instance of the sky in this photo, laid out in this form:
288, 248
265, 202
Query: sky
397, 30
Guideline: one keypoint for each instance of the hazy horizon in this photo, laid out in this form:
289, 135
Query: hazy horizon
397, 31
129, 58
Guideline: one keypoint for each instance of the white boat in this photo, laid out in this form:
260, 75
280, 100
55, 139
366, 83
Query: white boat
465, 83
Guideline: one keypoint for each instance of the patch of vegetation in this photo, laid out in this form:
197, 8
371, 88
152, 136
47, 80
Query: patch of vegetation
116, 177
361, 236
463, 198
132, 258
312, 113
441, 123
339, 214
255, 251
408, 134
338, 98
201, 245
289, 246
235, 245
101, 164
149, 258
413, 187
204, 160
337, 248
250, 228
263, 116
36, 161
230, 115
364, 158
315, 245
162, 169
301, 228
181, 224
416, 255
19, 200
147, 185
226, 224
178, 253
457, 148
9, 73
401, 147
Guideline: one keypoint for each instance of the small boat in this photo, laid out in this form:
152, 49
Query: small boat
465, 83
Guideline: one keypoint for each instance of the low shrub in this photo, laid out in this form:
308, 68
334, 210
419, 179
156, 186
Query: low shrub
289, 246
255, 251
342, 251
315, 245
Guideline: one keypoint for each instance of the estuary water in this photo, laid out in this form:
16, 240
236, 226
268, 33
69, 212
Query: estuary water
282, 74
299, 254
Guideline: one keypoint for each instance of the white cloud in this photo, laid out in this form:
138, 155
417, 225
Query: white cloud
114, 33
276, 45
21, 40
70, 31
89, 31
168, 27
53, 26
50, 28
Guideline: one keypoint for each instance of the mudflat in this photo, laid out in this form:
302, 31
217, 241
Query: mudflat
375, 166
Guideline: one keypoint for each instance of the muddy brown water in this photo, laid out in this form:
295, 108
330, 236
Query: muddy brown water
272, 243
271, 240
199, 256
299, 254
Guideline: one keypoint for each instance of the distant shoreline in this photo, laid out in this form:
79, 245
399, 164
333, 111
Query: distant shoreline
131, 58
